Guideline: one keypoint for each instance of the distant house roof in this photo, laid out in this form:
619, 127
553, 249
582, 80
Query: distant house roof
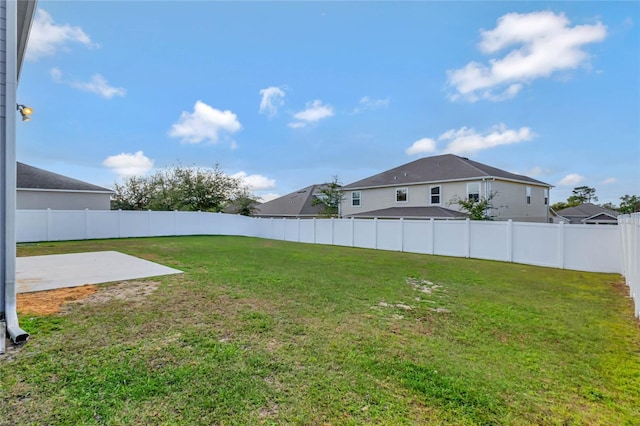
588, 213
430, 212
33, 178
296, 204
441, 168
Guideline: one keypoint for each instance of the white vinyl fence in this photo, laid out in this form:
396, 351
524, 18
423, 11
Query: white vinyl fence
594, 248
630, 233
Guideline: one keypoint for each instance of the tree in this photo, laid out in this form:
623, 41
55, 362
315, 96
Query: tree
581, 195
178, 188
246, 206
329, 196
629, 204
133, 194
477, 209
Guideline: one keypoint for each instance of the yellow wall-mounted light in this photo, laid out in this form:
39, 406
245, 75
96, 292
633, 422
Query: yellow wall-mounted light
25, 111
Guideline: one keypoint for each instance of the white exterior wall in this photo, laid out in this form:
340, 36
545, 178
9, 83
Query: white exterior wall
509, 201
418, 196
59, 200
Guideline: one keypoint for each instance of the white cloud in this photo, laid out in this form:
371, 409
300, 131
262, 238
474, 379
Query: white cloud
268, 197
536, 171
46, 37
255, 182
366, 103
609, 181
468, 141
315, 111
204, 123
571, 179
125, 164
541, 43
272, 99
423, 145
98, 85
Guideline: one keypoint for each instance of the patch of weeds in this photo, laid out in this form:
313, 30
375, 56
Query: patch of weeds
257, 322
453, 392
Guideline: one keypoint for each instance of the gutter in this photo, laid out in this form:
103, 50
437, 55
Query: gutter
8, 308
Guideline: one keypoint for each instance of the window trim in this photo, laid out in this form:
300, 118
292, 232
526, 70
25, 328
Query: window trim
477, 184
439, 195
406, 196
353, 198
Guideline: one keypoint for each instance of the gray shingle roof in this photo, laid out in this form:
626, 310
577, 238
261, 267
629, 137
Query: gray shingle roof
585, 210
29, 177
440, 168
429, 212
295, 204
590, 211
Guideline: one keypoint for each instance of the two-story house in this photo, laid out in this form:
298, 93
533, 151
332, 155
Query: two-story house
428, 188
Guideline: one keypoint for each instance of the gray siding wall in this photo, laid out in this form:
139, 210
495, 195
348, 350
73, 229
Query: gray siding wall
42, 200
509, 202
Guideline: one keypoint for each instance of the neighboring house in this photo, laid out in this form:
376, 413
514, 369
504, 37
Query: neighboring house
428, 188
40, 189
298, 204
588, 214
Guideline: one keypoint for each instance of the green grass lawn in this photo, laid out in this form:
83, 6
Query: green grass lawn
269, 332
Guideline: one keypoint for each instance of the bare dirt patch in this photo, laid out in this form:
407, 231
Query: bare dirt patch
51, 301
55, 301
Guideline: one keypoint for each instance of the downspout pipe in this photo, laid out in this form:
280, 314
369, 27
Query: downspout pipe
8, 169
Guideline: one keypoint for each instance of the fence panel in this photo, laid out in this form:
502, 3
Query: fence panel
630, 239
449, 238
133, 223
102, 224
389, 235
31, 226
66, 225
162, 224
595, 248
536, 244
417, 236
490, 240
364, 233
291, 230
307, 231
342, 232
324, 231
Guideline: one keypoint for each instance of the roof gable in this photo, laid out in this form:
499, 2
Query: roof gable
585, 210
29, 177
440, 168
601, 217
298, 203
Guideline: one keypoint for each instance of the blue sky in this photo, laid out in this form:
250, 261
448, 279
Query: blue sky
288, 94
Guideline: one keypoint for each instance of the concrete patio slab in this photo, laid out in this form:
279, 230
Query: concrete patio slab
38, 273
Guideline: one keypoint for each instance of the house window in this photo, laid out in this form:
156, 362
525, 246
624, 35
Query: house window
546, 196
355, 198
473, 191
435, 194
528, 195
402, 195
